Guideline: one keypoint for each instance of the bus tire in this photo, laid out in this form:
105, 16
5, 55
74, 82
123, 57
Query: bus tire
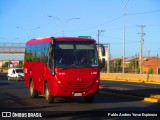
9, 78
33, 93
48, 97
89, 99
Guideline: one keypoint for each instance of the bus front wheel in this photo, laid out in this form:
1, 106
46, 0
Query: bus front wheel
48, 97
33, 93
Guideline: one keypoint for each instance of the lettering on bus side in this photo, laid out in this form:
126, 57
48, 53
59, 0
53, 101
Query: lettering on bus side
62, 73
93, 73
25, 70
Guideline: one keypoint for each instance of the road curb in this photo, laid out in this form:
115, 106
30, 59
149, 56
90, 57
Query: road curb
153, 99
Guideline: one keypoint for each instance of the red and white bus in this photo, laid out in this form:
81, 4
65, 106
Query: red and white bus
64, 66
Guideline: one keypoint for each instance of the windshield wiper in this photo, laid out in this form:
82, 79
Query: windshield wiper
86, 66
78, 66
68, 67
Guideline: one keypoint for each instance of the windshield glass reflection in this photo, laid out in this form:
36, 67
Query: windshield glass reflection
76, 54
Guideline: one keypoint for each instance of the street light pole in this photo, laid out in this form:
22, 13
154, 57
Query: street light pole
62, 23
28, 32
124, 44
124, 22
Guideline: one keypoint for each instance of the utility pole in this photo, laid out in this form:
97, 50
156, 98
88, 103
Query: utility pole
125, 3
157, 61
108, 61
141, 48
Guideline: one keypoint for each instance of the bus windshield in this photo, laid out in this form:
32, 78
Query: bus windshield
75, 54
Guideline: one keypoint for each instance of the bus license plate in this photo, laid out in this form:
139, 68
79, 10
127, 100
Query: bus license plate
77, 94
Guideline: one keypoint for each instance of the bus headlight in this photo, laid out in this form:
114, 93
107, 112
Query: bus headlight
59, 82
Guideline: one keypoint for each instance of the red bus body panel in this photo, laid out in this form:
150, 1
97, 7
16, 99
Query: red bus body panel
65, 82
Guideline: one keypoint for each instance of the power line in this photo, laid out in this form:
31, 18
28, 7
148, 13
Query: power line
153, 25
114, 19
110, 21
148, 12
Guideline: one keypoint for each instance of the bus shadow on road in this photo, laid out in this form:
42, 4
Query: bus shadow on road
3, 84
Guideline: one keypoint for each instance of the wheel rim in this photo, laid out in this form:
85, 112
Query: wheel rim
47, 93
31, 89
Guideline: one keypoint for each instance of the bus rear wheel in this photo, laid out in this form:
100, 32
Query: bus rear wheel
33, 93
48, 97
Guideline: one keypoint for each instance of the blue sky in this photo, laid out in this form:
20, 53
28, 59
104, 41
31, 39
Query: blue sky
94, 15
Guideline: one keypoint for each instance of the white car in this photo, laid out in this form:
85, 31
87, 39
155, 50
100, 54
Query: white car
15, 74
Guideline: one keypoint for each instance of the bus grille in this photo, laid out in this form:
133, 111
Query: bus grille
77, 85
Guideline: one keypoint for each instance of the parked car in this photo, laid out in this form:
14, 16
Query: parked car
15, 74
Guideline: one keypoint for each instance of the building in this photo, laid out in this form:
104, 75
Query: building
151, 64
13, 63
1, 63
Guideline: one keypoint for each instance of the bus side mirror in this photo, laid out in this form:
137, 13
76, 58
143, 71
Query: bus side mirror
100, 46
102, 63
103, 50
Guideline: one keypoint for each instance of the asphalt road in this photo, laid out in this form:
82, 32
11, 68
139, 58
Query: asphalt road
14, 96
130, 88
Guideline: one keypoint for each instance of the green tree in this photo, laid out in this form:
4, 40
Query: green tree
150, 71
117, 65
133, 65
5, 65
20, 64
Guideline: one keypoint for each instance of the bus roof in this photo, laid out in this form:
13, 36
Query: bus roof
49, 39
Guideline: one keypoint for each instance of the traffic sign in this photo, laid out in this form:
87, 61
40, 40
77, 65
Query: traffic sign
84, 36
